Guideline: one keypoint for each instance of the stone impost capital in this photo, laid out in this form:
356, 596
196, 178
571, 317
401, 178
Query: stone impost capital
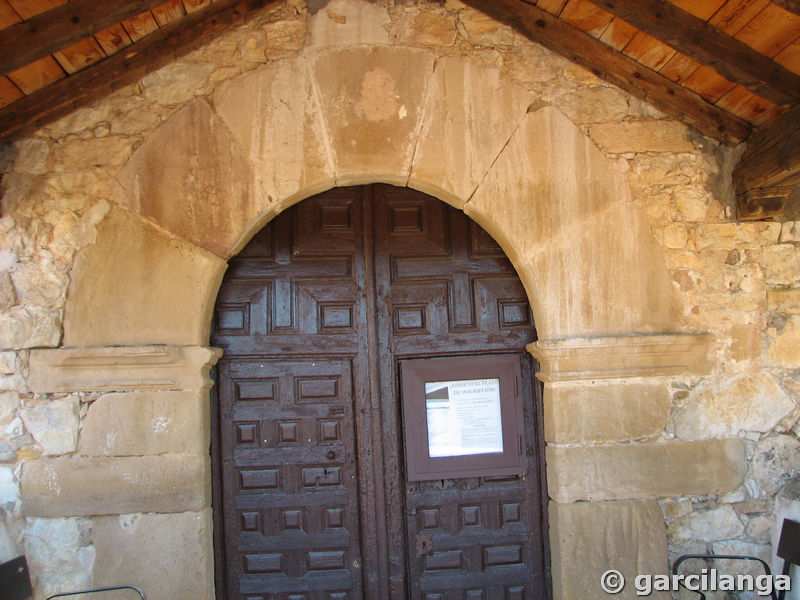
646, 355
106, 368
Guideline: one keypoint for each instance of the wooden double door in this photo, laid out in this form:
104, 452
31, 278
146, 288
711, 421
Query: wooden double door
317, 316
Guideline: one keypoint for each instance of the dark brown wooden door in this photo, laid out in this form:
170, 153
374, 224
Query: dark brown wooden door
316, 316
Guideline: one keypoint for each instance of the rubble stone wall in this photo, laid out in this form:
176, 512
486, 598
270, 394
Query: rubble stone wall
669, 333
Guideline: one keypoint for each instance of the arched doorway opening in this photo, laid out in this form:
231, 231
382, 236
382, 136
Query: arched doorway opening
317, 317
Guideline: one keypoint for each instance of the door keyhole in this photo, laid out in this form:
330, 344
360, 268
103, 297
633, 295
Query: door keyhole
424, 545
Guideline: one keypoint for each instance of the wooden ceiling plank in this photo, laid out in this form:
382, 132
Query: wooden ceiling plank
771, 30
8, 16
194, 5
64, 25
140, 26
735, 14
679, 68
554, 7
790, 5
649, 51
113, 39
768, 169
731, 58
708, 84
789, 57
702, 9
30, 8
587, 17
156, 50
545, 29
168, 12
79, 55
8, 91
748, 106
37, 75
618, 34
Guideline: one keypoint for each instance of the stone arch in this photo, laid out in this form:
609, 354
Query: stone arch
199, 186
218, 169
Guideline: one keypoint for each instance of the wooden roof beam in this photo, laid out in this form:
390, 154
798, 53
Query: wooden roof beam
769, 170
734, 60
125, 67
61, 26
543, 28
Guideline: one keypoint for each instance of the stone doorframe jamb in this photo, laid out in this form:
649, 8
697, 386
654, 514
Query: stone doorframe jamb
177, 479
606, 407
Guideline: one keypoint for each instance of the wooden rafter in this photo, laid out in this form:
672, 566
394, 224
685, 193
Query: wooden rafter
127, 66
769, 169
543, 28
734, 60
61, 26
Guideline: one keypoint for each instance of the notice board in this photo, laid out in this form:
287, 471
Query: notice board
462, 417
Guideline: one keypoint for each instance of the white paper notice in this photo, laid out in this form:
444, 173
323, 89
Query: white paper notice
463, 417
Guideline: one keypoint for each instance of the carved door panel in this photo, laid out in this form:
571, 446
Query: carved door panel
316, 316
449, 290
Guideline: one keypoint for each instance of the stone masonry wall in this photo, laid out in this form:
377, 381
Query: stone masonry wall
739, 282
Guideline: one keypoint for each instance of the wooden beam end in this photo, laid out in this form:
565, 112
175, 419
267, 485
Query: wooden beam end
762, 204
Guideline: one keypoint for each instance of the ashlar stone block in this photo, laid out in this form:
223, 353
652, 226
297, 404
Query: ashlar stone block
644, 470
476, 111
550, 206
101, 486
274, 114
602, 412
599, 284
135, 286
191, 178
146, 423
371, 99
167, 556
589, 538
